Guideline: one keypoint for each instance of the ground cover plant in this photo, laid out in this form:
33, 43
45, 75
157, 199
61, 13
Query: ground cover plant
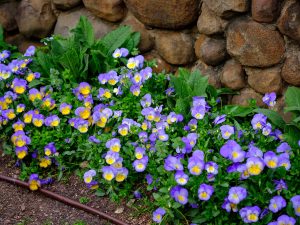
130, 132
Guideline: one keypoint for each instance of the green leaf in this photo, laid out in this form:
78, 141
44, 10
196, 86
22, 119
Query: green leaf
156, 196
275, 118
68, 153
292, 97
212, 92
100, 193
237, 125
35, 83
184, 73
182, 105
291, 109
132, 42
226, 91
44, 62
267, 219
181, 87
296, 120
198, 83
70, 60
292, 135
84, 32
164, 190
237, 111
114, 39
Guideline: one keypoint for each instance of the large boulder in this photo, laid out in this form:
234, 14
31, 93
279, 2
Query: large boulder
291, 68
227, 8
68, 20
176, 48
265, 80
212, 51
213, 73
8, 11
289, 21
35, 18
111, 10
265, 11
147, 39
65, 4
171, 14
254, 44
209, 23
233, 75
245, 96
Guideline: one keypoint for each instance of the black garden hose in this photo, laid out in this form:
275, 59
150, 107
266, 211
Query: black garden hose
65, 200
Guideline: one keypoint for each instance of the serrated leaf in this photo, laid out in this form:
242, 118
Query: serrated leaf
84, 32
181, 87
182, 106
70, 60
198, 83
114, 39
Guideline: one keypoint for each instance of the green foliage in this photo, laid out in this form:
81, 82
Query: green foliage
188, 84
80, 54
292, 100
66, 61
84, 200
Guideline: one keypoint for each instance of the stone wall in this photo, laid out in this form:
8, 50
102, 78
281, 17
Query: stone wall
250, 46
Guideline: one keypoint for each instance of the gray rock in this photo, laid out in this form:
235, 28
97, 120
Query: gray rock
68, 20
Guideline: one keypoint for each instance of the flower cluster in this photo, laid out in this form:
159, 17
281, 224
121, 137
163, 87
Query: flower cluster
129, 139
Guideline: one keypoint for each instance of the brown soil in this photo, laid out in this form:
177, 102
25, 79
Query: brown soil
23, 207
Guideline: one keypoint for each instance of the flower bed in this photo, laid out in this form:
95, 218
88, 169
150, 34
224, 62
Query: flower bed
166, 138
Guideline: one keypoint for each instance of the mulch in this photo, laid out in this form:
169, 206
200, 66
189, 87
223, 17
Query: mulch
24, 207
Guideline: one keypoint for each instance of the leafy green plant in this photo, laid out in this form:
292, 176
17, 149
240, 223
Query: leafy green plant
292, 100
188, 84
84, 200
125, 135
80, 56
